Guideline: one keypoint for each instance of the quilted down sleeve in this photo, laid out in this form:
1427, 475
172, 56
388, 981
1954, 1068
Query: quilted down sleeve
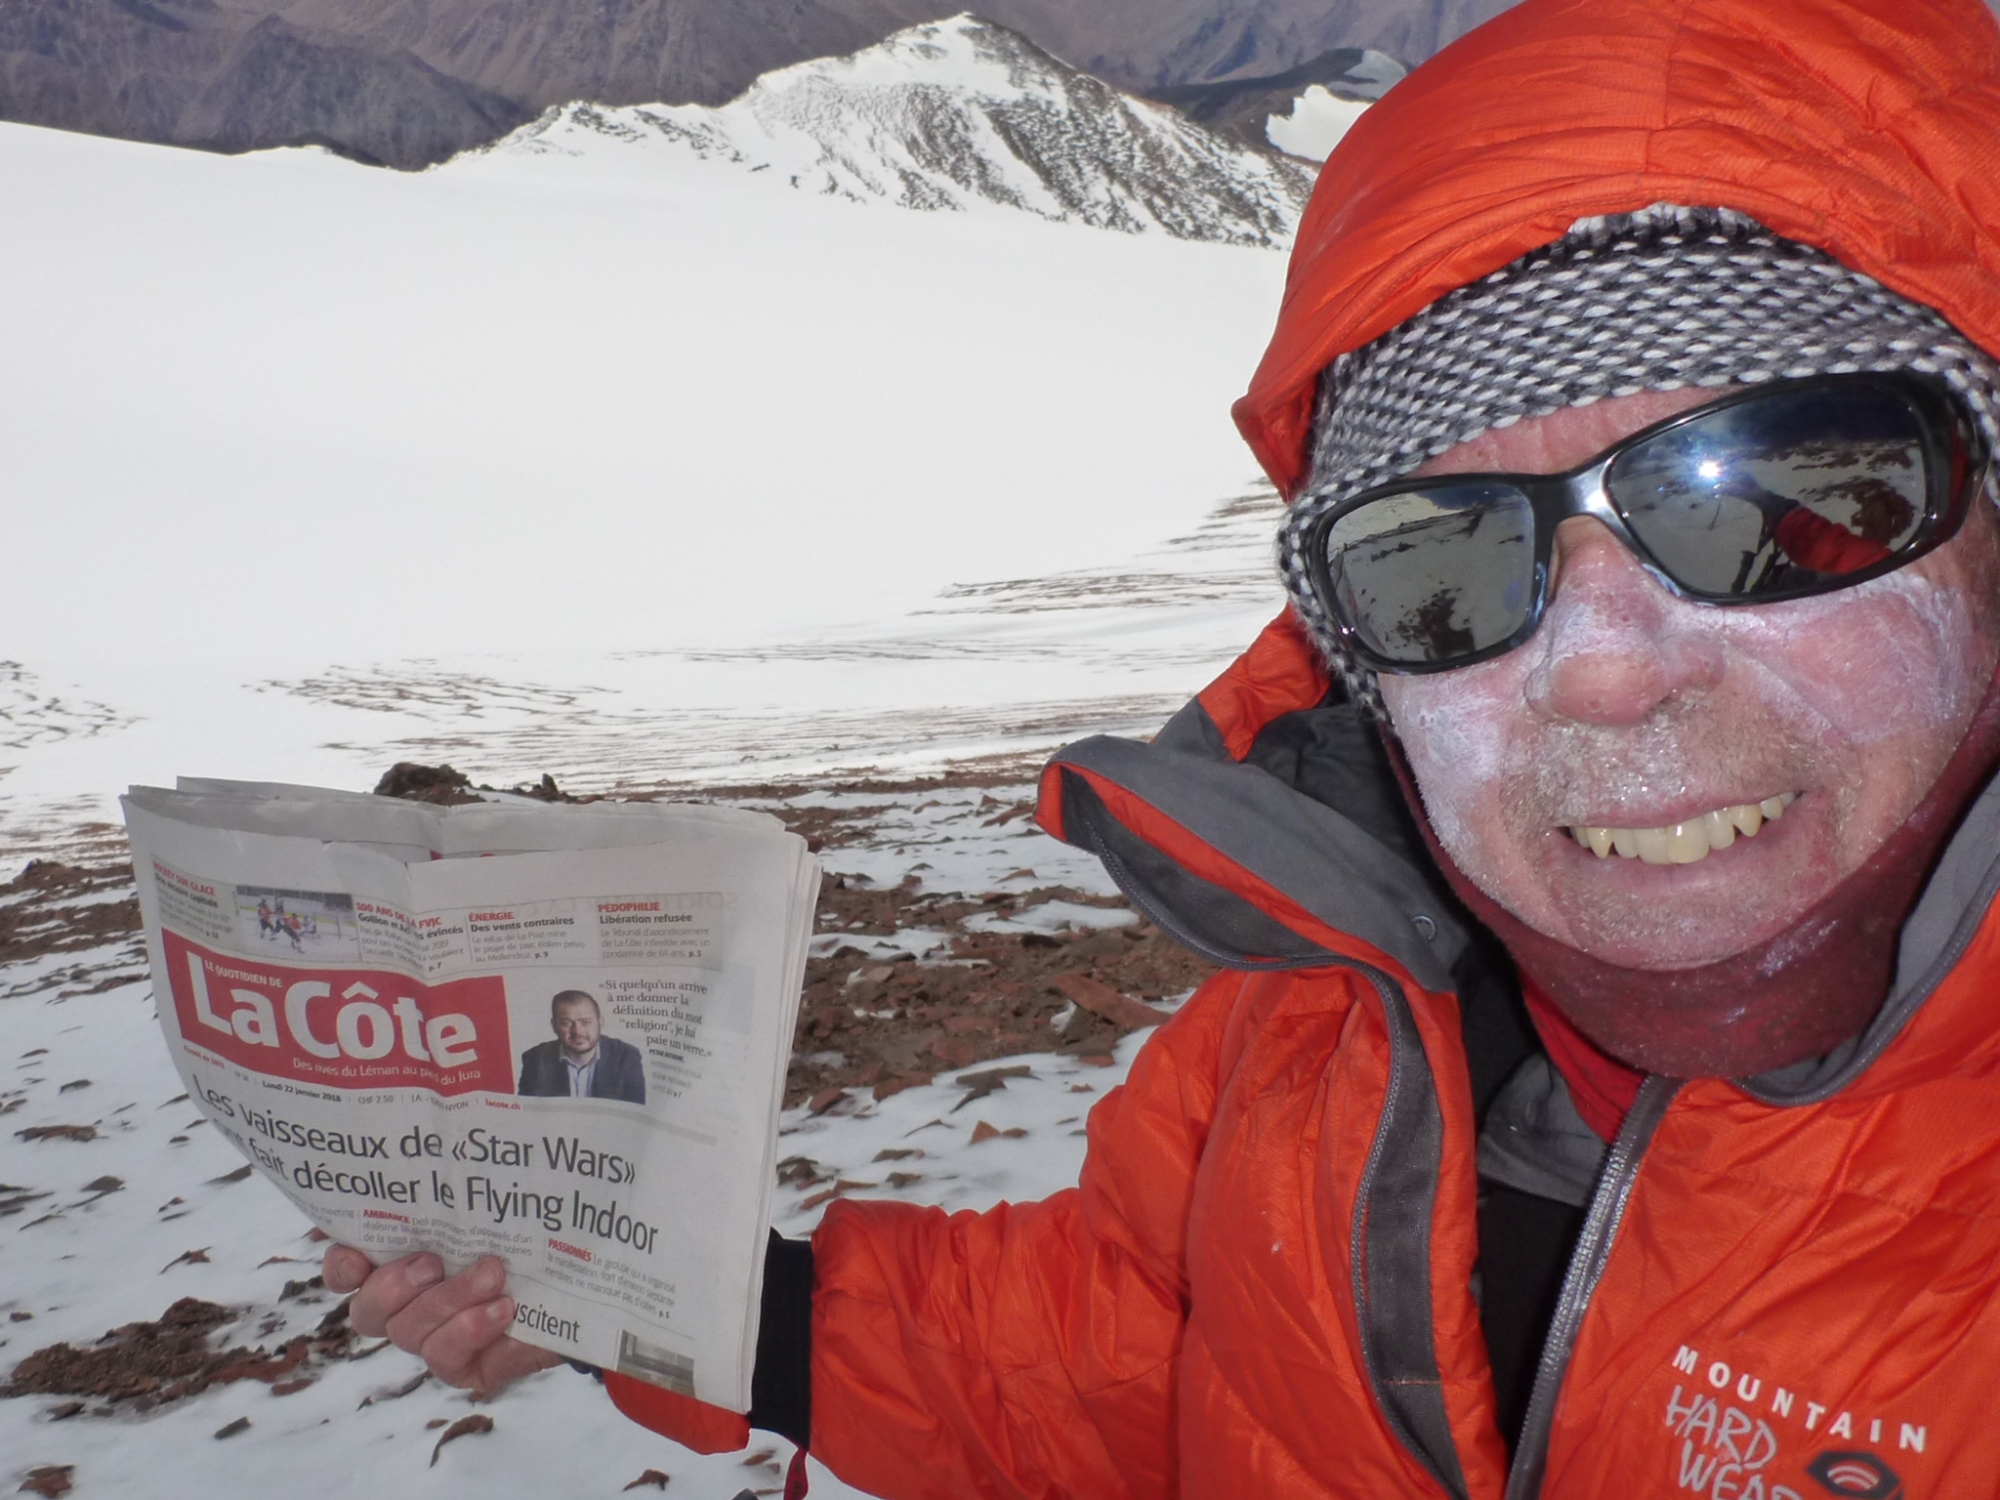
1029, 1350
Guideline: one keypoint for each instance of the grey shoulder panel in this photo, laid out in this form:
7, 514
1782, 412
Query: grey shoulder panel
1192, 732
1205, 918
1298, 846
1392, 1261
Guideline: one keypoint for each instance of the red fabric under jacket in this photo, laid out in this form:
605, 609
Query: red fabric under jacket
1789, 1300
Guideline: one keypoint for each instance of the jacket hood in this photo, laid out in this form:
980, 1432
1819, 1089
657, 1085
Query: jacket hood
1869, 130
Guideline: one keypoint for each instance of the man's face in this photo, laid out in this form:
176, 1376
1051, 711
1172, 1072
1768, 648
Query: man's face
1632, 709
576, 1025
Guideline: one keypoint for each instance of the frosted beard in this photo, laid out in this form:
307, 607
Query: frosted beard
1795, 995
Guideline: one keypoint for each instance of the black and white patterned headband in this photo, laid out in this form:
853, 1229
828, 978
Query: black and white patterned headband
1649, 301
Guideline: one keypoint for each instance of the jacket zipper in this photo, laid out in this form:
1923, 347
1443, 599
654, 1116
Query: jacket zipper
1586, 1270
1587, 1262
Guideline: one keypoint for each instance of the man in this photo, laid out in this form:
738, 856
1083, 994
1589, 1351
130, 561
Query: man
1611, 682
582, 1062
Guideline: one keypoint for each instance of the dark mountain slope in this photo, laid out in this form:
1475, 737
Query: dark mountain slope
408, 82
189, 73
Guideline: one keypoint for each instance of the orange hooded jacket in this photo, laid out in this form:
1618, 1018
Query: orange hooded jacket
1262, 1287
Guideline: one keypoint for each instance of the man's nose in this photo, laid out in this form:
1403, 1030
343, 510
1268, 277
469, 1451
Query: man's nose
1614, 644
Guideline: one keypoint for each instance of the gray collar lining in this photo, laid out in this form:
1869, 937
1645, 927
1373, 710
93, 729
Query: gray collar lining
1939, 929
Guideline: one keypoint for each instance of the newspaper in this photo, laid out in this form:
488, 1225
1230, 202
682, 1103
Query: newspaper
568, 1052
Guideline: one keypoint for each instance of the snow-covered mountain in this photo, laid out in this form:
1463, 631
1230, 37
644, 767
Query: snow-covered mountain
410, 82
1314, 124
955, 115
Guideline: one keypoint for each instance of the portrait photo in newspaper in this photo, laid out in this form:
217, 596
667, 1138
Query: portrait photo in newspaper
582, 1062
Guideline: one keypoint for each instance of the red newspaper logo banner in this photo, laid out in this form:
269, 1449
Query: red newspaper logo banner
347, 1028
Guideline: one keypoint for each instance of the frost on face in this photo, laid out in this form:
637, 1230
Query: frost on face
1635, 712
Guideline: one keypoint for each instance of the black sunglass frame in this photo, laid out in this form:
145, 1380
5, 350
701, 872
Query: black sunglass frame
1956, 455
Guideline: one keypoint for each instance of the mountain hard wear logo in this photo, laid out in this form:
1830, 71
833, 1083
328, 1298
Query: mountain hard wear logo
1859, 1476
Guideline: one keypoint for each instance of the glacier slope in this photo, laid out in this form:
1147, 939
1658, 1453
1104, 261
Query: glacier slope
535, 425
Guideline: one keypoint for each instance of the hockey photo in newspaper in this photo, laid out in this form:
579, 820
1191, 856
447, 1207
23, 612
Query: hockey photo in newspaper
549, 1034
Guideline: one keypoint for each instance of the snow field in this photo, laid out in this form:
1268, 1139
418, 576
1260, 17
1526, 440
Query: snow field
286, 410
116, 1258
563, 425
926, 1135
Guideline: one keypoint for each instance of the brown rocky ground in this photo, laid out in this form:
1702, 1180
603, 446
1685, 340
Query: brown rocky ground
868, 1023
144, 1364
874, 1020
874, 1017
53, 908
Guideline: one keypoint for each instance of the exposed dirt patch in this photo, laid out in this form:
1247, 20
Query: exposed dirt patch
145, 1364
883, 1022
828, 827
447, 786
52, 907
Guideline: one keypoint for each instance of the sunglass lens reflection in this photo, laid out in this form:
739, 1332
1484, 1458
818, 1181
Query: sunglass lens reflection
1434, 575
1778, 494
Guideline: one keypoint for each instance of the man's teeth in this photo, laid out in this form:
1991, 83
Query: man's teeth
1684, 843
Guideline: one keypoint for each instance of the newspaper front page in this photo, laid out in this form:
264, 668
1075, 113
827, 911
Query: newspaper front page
553, 1034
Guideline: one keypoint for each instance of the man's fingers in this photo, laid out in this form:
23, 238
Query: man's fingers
507, 1361
459, 1349
390, 1290
427, 1311
457, 1324
344, 1269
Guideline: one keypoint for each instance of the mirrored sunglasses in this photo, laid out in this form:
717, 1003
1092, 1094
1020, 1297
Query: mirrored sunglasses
1779, 491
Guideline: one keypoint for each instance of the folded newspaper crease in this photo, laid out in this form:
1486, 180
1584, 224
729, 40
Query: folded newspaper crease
555, 1034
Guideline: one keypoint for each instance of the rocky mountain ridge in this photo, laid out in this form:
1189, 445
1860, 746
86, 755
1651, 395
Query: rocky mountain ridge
960, 115
410, 82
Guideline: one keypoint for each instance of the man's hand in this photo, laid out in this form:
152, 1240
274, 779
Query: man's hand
458, 1324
